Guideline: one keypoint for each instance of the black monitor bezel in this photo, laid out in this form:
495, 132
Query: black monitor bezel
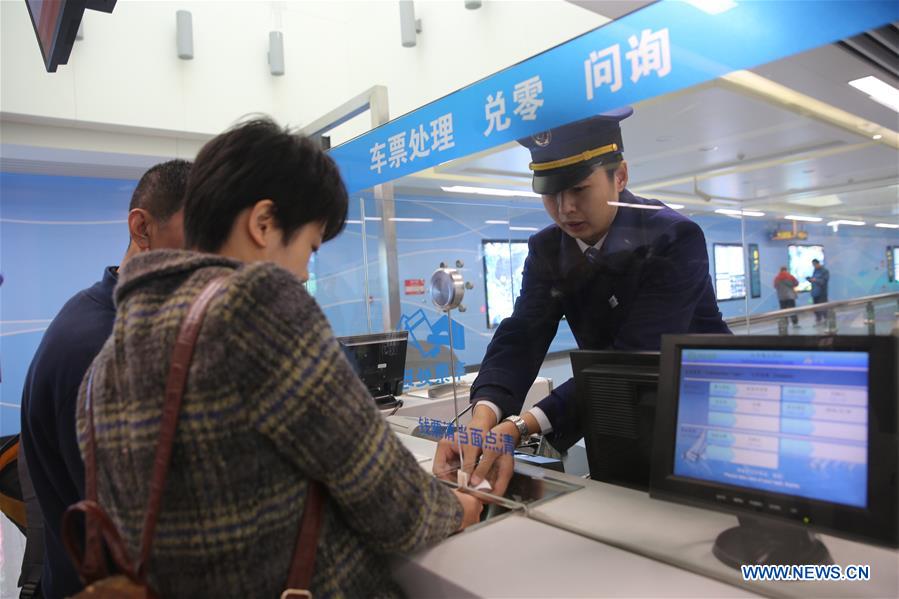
69, 21
877, 523
348, 343
641, 364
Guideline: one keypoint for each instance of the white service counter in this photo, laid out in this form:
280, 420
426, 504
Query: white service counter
603, 540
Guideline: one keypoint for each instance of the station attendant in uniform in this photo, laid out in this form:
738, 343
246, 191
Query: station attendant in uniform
623, 270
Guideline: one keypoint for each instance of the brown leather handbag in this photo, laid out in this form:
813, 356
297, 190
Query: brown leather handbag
131, 580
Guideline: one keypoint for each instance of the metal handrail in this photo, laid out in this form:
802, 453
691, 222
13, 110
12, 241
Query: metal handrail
778, 314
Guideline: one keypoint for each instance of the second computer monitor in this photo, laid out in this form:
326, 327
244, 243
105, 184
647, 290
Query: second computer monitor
380, 361
616, 400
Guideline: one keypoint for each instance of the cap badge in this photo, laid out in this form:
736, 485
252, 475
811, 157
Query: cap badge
542, 139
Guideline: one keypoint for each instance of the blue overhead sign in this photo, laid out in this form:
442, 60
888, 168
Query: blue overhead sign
662, 48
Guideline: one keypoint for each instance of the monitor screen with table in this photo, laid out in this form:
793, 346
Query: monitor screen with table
793, 434
380, 361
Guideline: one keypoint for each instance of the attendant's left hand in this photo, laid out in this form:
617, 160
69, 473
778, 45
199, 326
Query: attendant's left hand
496, 465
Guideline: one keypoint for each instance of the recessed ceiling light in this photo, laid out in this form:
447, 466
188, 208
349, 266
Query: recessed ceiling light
489, 191
810, 219
411, 220
496, 222
887, 226
674, 206
876, 137
878, 90
534, 229
837, 223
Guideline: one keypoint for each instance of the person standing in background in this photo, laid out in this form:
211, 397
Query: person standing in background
53, 461
819, 280
785, 285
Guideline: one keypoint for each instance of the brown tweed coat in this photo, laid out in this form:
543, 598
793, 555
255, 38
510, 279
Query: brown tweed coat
270, 403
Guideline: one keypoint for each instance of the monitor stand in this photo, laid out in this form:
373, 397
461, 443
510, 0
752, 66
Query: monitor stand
760, 541
385, 402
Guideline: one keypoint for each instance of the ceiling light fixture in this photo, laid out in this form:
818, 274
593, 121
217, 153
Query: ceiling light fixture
732, 212
887, 226
534, 229
496, 222
674, 206
490, 191
354, 222
835, 224
877, 137
810, 219
411, 220
878, 90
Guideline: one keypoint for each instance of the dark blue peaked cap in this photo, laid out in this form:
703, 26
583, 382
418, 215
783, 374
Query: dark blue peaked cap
565, 156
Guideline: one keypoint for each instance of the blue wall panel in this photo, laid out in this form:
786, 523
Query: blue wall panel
44, 264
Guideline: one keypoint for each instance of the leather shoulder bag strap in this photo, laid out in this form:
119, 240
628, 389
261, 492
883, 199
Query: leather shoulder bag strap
174, 392
299, 580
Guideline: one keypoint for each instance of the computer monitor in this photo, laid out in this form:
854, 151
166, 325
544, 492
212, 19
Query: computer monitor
616, 400
56, 25
792, 434
380, 361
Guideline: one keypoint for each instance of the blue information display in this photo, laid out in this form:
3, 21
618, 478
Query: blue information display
791, 422
664, 47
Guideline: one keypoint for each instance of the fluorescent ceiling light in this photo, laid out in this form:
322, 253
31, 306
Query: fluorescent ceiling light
523, 229
490, 191
354, 222
374, 218
674, 206
810, 219
836, 223
713, 7
887, 226
732, 212
496, 222
817, 201
641, 206
878, 90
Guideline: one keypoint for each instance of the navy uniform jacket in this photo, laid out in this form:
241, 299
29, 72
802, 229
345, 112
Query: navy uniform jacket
652, 279
49, 398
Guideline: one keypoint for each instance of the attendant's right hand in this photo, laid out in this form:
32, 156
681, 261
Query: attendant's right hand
471, 509
446, 460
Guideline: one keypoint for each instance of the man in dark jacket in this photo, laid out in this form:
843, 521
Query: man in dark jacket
623, 270
155, 221
820, 279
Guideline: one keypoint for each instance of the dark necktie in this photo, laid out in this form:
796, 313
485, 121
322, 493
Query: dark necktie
593, 256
